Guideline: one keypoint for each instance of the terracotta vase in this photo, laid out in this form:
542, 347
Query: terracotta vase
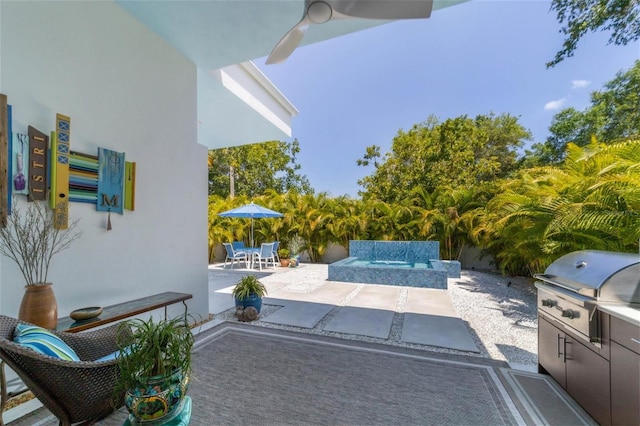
39, 306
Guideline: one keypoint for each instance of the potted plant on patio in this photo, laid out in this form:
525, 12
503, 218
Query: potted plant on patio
295, 246
248, 294
283, 254
30, 240
155, 365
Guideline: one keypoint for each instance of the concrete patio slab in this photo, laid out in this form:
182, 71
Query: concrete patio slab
329, 292
435, 330
376, 297
429, 301
362, 321
220, 301
299, 314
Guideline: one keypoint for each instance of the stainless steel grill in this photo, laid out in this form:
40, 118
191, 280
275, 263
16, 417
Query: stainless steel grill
572, 287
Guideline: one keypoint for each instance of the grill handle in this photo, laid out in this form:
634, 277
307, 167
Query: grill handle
562, 353
560, 282
564, 292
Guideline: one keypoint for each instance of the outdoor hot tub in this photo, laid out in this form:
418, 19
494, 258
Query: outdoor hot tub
402, 263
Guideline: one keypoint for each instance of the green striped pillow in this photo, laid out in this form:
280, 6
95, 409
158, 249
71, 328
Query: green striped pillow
43, 341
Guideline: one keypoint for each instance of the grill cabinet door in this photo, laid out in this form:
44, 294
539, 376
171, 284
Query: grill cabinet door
625, 372
625, 386
588, 380
551, 347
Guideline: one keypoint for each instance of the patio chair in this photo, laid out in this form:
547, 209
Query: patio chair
235, 256
238, 245
275, 251
74, 391
265, 255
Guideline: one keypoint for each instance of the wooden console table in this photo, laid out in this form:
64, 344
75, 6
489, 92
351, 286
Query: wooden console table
124, 310
109, 314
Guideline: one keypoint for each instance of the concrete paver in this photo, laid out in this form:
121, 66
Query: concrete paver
299, 314
435, 330
328, 292
430, 319
369, 313
429, 301
362, 321
376, 297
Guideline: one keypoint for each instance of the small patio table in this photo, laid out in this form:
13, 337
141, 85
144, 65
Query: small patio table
250, 251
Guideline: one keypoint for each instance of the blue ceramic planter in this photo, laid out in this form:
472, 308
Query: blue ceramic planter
158, 399
253, 300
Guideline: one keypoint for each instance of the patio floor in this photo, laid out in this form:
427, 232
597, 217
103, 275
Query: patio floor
302, 302
306, 300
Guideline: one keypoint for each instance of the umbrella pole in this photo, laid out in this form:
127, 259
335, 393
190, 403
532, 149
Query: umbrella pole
251, 232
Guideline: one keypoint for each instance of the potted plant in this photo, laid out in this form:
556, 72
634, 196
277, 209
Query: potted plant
155, 364
30, 240
283, 254
248, 294
295, 246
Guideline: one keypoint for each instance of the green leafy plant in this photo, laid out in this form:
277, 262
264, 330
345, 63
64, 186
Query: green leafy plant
249, 285
295, 244
283, 253
150, 349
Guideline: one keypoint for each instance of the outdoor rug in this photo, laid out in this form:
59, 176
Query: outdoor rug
257, 376
248, 375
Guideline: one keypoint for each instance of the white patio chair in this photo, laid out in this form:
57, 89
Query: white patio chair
235, 256
265, 255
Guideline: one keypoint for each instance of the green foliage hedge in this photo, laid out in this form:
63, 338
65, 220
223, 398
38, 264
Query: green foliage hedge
591, 201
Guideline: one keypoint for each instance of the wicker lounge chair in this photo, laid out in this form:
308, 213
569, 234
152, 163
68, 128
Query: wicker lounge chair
74, 391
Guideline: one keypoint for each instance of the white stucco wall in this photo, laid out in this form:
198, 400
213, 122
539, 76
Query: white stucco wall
125, 89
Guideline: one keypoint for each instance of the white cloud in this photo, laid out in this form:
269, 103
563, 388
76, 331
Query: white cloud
555, 104
579, 84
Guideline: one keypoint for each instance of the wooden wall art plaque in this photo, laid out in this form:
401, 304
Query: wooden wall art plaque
63, 139
38, 143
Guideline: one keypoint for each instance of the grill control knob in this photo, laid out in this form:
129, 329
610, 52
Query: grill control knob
568, 313
547, 302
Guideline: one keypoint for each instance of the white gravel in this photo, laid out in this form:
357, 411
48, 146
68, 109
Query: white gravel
500, 313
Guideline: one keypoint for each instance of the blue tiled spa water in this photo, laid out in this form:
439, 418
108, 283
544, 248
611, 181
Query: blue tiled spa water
403, 263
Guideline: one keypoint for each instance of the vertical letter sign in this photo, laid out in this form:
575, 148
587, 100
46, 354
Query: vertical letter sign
111, 168
63, 138
38, 142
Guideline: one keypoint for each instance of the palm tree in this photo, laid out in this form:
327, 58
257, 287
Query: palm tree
224, 229
591, 202
447, 216
349, 221
307, 216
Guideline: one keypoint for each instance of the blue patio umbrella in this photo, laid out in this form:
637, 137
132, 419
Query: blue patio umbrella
253, 211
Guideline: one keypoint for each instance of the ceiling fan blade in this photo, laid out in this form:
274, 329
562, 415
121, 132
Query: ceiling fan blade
289, 42
321, 11
383, 9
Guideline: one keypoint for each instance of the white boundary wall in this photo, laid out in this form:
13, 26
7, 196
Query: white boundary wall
127, 90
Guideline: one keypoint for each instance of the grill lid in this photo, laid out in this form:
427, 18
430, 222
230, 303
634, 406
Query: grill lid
604, 275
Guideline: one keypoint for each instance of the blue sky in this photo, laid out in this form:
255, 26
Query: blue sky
473, 58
